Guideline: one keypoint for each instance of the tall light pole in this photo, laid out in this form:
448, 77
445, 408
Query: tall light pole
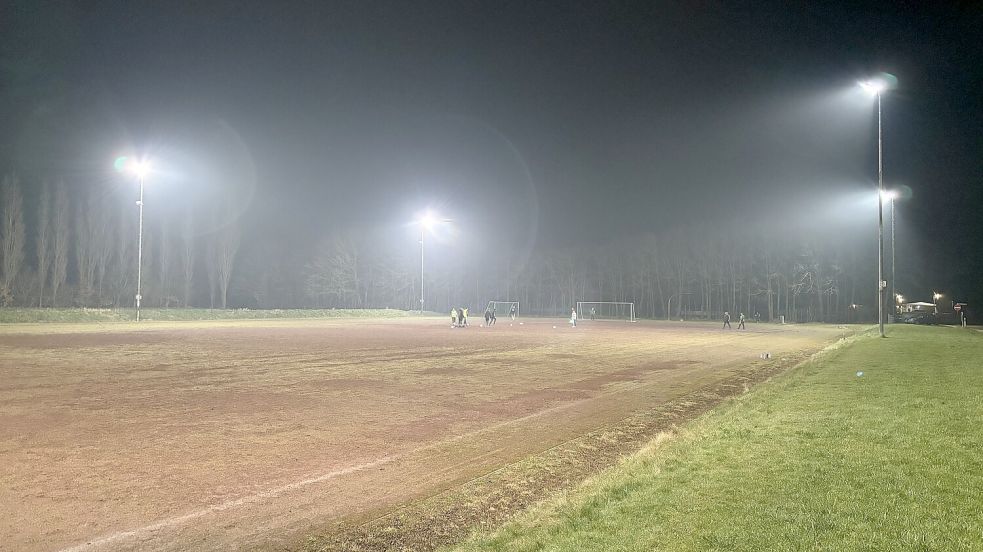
877, 87
140, 169
423, 233
426, 222
138, 297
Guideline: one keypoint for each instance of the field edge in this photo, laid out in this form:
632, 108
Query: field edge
592, 514
487, 502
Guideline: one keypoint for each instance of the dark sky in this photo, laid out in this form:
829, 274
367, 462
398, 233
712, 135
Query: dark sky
537, 123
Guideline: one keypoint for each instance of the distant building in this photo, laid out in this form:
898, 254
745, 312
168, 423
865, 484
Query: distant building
918, 306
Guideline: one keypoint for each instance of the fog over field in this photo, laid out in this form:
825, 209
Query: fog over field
582, 153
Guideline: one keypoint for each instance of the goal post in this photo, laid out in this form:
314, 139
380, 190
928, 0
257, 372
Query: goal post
606, 310
502, 308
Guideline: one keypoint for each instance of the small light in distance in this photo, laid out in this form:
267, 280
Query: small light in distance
936, 296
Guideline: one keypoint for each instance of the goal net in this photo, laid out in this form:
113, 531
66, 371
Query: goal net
503, 308
605, 310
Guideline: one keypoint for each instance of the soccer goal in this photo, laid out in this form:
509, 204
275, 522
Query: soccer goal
503, 308
605, 310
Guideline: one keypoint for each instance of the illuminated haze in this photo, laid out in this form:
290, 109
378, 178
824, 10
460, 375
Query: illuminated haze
533, 127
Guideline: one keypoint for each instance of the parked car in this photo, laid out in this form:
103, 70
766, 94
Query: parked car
920, 318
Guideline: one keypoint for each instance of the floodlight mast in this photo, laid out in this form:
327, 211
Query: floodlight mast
140, 248
427, 222
880, 219
140, 169
877, 87
423, 232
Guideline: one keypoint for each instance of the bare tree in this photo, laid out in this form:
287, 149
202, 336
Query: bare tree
226, 247
164, 263
211, 268
188, 254
332, 274
103, 245
60, 244
11, 237
84, 251
124, 261
42, 242
149, 286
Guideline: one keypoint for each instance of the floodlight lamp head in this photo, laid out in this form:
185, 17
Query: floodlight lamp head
137, 167
889, 195
428, 220
874, 86
140, 168
936, 296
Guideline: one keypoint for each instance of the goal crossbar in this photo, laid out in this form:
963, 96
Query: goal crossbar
606, 310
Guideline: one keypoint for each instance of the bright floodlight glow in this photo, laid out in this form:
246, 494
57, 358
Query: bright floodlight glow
140, 168
900, 298
428, 220
936, 296
889, 194
874, 86
136, 167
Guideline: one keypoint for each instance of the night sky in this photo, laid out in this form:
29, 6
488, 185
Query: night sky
537, 124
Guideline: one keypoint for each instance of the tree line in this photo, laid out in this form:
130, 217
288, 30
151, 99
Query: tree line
77, 247
68, 246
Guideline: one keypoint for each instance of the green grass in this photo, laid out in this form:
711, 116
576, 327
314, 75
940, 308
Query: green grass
27, 315
819, 459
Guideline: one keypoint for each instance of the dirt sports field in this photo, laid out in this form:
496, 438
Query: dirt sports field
260, 434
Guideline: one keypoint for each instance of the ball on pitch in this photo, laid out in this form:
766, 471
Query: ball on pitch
554, 327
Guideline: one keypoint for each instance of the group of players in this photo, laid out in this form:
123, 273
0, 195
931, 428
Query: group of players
740, 322
459, 316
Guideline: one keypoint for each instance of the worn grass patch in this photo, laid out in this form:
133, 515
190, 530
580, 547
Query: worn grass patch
820, 459
29, 315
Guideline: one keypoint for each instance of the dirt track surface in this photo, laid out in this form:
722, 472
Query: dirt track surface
218, 436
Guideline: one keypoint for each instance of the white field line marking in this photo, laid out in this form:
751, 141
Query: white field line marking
226, 505
178, 520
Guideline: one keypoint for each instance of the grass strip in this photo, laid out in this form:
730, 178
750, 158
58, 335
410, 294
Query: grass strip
28, 315
821, 458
